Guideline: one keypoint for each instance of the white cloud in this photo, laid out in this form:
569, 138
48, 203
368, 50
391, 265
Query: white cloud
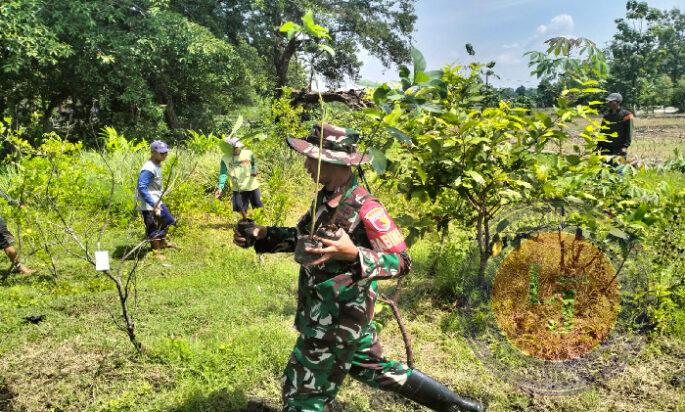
508, 59
511, 46
561, 24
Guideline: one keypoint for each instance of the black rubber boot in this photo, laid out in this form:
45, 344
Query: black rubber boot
426, 391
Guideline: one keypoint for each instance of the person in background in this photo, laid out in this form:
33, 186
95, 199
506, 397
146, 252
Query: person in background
241, 165
7, 239
618, 122
156, 215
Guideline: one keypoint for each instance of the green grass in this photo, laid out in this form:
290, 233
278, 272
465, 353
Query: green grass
216, 321
216, 326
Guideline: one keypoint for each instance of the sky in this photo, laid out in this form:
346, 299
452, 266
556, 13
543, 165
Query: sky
503, 30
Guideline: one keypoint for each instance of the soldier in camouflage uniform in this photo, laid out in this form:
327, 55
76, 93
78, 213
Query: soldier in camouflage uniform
337, 291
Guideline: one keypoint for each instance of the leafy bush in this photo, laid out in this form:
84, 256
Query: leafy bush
677, 164
657, 280
198, 142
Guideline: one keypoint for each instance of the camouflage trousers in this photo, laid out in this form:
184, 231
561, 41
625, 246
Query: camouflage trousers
316, 370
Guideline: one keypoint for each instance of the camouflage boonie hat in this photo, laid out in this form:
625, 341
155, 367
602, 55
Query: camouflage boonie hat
339, 145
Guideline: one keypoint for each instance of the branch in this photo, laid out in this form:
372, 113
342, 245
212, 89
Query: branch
405, 336
355, 99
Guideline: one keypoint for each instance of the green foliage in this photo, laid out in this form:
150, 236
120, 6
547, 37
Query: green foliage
648, 45
25, 40
656, 286
116, 142
678, 95
561, 62
677, 163
198, 142
466, 162
281, 121
381, 27
143, 67
313, 39
308, 27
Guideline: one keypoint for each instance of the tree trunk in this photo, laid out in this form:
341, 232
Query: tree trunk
170, 113
281, 60
130, 325
484, 246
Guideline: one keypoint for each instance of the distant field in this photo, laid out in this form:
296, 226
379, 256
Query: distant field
657, 137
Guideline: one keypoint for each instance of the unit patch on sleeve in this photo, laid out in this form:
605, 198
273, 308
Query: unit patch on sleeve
379, 219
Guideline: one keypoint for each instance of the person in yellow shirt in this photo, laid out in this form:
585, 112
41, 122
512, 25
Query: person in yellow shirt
241, 166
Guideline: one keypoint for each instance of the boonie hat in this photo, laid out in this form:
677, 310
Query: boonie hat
339, 145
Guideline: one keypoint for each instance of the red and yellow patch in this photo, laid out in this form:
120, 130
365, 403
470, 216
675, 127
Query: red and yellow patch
379, 219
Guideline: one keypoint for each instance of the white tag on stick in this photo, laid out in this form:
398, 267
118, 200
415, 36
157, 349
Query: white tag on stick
101, 260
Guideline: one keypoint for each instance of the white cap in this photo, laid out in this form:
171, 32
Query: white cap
234, 141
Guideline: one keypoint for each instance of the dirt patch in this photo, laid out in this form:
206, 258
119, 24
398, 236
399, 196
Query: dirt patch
68, 377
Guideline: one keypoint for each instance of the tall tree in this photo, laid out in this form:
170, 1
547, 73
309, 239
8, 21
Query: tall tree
648, 42
547, 93
381, 27
138, 65
670, 33
28, 47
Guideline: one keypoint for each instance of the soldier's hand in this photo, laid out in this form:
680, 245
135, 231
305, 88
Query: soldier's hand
341, 249
259, 232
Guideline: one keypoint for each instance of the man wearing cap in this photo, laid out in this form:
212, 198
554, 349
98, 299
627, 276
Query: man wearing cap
618, 126
156, 215
337, 291
241, 165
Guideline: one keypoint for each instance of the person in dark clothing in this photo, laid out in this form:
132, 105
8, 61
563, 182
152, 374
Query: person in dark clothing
617, 124
7, 240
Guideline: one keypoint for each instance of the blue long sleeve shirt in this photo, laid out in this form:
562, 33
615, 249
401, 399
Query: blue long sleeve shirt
144, 180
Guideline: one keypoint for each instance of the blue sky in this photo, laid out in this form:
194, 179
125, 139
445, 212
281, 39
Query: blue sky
503, 30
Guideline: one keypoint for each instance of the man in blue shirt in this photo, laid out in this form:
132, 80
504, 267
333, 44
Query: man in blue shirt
149, 195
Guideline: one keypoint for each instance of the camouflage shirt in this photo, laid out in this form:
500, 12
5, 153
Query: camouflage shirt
336, 299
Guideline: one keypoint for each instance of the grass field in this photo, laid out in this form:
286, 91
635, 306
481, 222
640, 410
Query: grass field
216, 320
655, 138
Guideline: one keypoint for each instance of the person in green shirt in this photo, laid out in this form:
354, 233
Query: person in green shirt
241, 166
